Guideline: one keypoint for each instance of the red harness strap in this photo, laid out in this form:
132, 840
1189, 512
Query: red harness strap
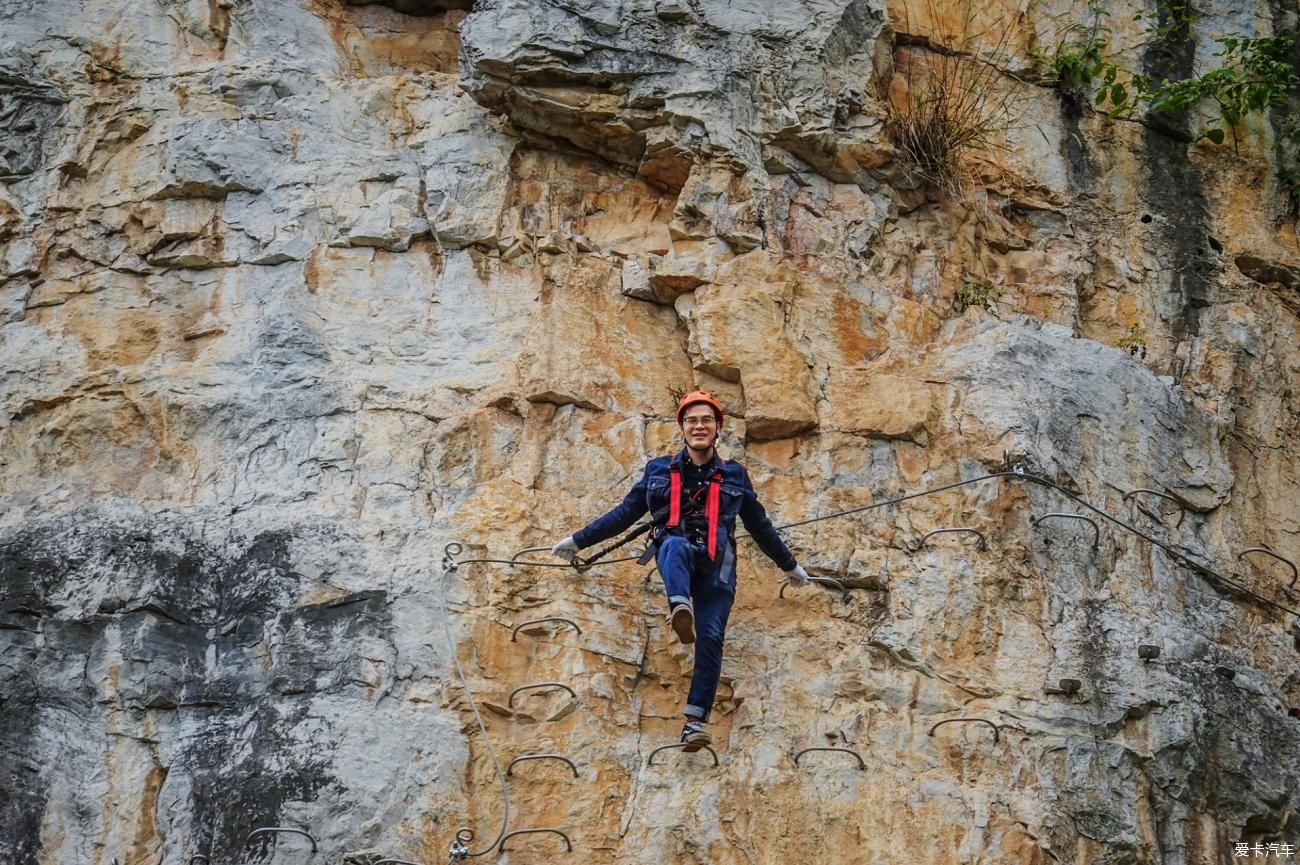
711, 505
711, 513
675, 498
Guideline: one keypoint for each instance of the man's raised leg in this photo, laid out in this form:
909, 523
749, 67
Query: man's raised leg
676, 560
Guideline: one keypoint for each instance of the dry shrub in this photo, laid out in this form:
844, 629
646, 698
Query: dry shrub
952, 98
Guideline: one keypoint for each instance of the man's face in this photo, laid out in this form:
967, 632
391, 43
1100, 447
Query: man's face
700, 427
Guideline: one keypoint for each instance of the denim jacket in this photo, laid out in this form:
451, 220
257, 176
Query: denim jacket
737, 498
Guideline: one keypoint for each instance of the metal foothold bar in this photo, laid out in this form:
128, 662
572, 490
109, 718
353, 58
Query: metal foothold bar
197, 856
650, 761
828, 580
1266, 551
516, 556
861, 763
280, 830
1096, 529
1182, 507
569, 622
511, 702
568, 846
984, 544
1064, 686
526, 757
992, 726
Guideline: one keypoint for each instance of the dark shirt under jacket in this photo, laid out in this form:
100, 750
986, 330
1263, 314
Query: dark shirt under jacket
695, 494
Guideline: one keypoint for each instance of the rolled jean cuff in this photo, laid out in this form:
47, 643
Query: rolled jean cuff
696, 712
679, 599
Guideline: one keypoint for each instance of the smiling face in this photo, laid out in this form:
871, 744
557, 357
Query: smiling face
699, 427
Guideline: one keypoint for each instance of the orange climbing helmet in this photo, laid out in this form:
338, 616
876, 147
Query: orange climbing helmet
696, 397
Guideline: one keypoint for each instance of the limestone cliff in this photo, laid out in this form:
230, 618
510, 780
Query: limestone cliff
294, 293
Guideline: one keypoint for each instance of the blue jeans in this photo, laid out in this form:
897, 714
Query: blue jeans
685, 570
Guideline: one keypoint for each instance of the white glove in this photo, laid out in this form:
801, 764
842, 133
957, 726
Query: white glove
565, 549
798, 577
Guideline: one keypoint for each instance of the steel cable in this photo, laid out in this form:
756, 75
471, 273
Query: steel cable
453, 549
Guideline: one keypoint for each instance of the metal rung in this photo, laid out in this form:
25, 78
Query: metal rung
1064, 686
650, 761
568, 846
1096, 529
280, 830
511, 702
861, 763
515, 557
1182, 507
1266, 551
526, 757
983, 545
992, 726
522, 625
826, 580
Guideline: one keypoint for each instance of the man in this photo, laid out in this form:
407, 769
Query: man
693, 498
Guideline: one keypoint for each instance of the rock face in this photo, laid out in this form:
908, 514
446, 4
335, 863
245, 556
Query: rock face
294, 293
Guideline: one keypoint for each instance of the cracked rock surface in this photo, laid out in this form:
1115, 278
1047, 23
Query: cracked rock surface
294, 293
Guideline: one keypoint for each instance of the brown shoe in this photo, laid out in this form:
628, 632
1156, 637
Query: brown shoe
682, 618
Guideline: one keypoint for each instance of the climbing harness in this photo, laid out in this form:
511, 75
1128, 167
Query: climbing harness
711, 504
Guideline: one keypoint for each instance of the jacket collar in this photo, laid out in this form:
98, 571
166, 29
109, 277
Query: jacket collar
681, 457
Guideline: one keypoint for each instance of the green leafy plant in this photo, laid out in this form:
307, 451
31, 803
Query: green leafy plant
1135, 341
1080, 67
1178, 15
1255, 74
976, 293
1078, 60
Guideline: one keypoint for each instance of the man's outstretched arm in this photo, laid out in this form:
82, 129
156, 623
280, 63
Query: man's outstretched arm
757, 524
621, 518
